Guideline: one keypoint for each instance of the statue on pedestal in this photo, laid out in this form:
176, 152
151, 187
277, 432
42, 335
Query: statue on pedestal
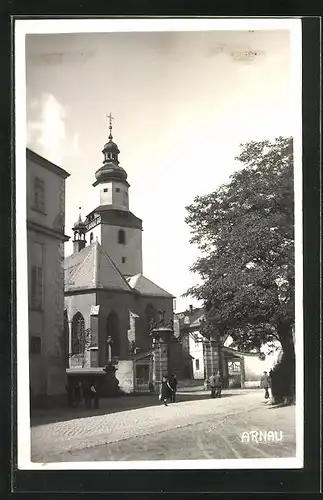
161, 314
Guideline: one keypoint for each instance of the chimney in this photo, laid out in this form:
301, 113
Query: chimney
191, 309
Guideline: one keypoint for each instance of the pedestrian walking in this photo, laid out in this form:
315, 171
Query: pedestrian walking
173, 385
212, 385
170, 390
215, 384
78, 393
218, 384
164, 390
265, 383
94, 395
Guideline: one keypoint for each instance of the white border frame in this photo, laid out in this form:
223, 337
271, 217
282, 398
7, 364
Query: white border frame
23, 27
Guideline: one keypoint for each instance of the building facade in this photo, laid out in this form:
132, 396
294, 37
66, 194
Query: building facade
45, 246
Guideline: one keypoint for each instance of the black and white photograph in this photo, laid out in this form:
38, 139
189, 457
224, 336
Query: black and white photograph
159, 243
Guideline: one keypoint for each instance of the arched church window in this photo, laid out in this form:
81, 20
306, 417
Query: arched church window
121, 237
113, 336
91, 237
78, 332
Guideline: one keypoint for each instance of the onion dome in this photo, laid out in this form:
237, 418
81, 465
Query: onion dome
79, 224
111, 169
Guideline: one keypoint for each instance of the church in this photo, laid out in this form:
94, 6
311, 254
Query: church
108, 301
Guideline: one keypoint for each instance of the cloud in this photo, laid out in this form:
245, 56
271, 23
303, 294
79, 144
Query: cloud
48, 133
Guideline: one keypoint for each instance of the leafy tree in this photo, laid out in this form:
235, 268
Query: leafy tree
245, 232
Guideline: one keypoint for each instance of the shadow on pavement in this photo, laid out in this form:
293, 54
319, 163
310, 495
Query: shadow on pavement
112, 405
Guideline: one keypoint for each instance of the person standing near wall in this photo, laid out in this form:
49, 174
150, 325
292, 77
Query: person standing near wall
164, 391
173, 385
218, 384
212, 385
94, 395
265, 383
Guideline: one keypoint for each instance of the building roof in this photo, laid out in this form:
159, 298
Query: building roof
146, 287
112, 216
188, 319
110, 171
92, 268
31, 155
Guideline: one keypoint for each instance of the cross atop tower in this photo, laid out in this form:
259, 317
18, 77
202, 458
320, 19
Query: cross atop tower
110, 124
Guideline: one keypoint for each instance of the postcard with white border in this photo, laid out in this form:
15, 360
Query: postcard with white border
159, 243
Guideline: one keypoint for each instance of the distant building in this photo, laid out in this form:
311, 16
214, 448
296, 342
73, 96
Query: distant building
192, 340
45, 244
239, 369
106, 294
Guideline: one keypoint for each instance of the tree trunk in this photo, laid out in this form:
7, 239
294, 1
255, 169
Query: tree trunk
286, 368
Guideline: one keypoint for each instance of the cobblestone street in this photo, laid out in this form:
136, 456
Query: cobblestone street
191, 429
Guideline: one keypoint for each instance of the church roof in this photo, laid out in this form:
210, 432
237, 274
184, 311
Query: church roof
92, 268
110, 215
146, 287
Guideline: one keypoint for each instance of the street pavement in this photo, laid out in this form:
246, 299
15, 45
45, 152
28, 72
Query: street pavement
196, 428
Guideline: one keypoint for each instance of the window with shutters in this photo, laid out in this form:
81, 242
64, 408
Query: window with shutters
36, 287
39, 195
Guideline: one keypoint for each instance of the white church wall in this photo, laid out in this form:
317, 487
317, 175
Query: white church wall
120, 196
105, 193
131, 250
114, 193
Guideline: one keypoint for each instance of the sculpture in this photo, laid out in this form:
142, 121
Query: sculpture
161, 314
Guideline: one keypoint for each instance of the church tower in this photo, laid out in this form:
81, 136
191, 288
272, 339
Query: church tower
117, 229
79, 231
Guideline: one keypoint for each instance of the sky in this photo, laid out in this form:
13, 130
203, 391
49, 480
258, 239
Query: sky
183, 102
